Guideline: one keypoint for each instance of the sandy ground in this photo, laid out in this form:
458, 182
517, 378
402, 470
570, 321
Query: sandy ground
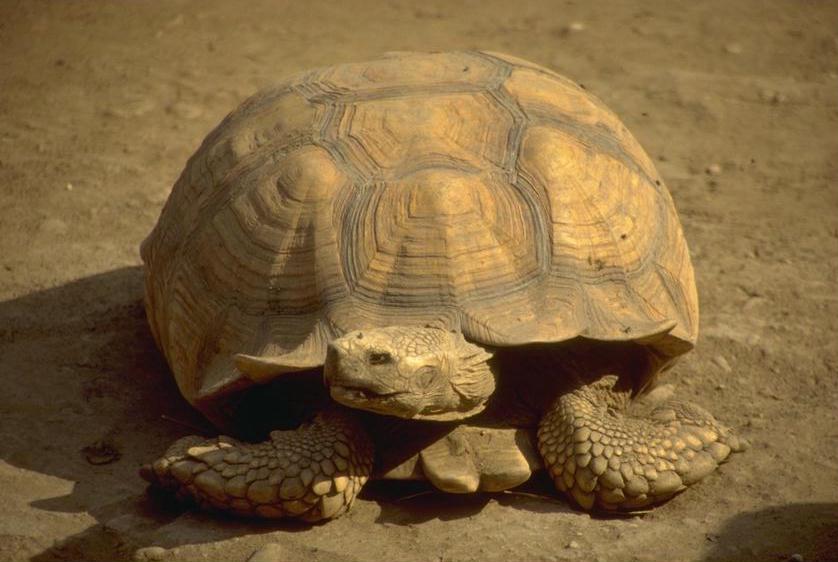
101, 104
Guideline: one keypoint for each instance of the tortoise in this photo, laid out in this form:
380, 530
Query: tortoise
458, 267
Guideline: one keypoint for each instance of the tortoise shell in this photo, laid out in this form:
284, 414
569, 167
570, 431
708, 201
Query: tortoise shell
473, 190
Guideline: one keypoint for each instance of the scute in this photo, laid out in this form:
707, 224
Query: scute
403, 134
466, 190
406, 73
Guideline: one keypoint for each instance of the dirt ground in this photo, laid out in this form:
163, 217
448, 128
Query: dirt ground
101, 103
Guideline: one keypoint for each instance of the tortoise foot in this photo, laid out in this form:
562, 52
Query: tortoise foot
604, 457
311, 473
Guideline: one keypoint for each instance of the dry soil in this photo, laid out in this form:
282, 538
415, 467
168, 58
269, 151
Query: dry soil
102, 102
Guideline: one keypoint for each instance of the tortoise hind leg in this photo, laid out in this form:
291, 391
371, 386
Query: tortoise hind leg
599, 453
311, 473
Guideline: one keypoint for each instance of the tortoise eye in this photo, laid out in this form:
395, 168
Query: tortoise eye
379, 358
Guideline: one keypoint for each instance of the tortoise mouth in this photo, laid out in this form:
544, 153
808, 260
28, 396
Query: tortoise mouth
365, 398
360, 392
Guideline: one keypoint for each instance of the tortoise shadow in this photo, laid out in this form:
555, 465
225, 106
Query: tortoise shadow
415, 502
808, 530
78, 362
88, 399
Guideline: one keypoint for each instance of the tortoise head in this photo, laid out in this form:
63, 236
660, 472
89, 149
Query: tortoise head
419, 373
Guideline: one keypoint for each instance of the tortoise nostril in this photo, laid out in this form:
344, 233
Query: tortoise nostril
379, 358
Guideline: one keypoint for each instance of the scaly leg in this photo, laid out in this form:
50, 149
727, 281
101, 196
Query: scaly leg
311, 473
600, 455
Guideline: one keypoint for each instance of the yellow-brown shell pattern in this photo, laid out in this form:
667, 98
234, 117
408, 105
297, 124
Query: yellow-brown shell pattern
470, 190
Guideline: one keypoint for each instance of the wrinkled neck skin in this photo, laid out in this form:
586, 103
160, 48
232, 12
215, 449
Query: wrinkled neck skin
409, 372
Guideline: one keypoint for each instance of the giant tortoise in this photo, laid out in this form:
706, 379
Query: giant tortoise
458, 267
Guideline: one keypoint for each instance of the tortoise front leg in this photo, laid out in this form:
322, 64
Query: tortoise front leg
600, 454
311, 473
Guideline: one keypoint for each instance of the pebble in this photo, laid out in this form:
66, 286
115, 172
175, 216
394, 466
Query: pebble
733, 48
573, 544
69, 186
722, 363
270, 552
149, 553
713, 169
772, 96
101, 452
573, 27
185, 110
796, 557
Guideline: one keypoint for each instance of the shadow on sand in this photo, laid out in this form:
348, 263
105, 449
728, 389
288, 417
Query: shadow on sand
88, 399
808, 530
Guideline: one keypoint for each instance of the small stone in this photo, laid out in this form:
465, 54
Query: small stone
733, 48
270, 552
576, 26
796, 557
101, 452
713, 169
772, 96
185, 110
150, 553
722, 363
69, 186
573, 544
